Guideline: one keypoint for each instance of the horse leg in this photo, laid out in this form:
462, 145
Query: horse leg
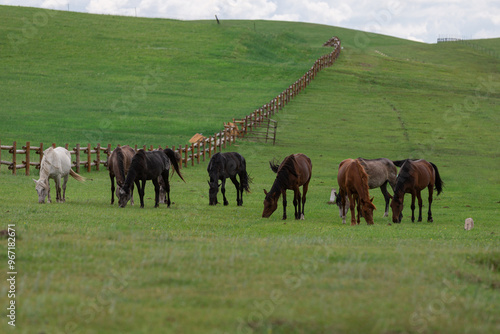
112, 178
49, 200
387, 198
429, 213
239, 201
352, 205
304, 192
412, 207
419, 197
343, 204
140, 190
296, 202
132, 194
157, 191
283, 193
58, 189
223, 191
64, 188
167, 187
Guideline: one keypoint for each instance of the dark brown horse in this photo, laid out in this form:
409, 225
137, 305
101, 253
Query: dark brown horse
149, 166
293, 172
414, 176
223, 166
353, 182
118, 165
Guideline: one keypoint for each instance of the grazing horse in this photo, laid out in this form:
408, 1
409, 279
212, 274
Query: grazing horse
414, 176
353, 182
148, 166
56, 164
118, 165
380, 172
227, 165
293, 172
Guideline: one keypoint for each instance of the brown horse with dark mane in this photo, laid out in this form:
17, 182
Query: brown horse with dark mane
118, 165
353, 182
414, 176
294, 172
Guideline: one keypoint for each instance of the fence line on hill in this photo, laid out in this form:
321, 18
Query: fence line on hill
88, 156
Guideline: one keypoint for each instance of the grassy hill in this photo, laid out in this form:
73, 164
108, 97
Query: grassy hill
88, 267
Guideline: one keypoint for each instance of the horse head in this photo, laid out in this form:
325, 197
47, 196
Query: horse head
367, 209
42, 188
212, 191
123, 196
270, 204
397, 208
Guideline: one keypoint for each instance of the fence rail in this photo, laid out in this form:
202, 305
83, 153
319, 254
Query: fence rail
87, 156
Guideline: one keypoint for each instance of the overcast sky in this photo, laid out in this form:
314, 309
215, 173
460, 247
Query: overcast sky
420, 20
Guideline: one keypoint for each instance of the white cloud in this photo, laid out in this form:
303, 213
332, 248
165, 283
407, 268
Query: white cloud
421, 20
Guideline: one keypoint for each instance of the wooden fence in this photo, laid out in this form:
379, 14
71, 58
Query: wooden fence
84, 157
87, 156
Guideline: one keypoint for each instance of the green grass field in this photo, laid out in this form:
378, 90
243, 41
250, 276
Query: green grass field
88, 267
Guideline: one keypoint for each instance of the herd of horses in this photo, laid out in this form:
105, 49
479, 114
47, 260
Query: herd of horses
355, 177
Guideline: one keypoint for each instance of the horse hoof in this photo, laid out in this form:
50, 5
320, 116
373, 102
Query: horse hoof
430, 220
302, 217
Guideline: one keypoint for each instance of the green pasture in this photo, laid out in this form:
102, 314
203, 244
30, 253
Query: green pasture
86, 266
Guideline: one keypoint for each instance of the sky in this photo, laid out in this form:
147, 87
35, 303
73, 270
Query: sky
418, 20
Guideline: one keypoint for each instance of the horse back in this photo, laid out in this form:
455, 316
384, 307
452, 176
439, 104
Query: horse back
424, 174
56, 161
303, 168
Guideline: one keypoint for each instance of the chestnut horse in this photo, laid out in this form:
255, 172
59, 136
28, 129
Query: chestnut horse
293, 172
353, 182
118, 165
414, 176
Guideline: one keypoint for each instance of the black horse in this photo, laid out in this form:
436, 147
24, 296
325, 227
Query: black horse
227, 165
149, 166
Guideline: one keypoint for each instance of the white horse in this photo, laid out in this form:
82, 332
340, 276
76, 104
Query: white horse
56, 164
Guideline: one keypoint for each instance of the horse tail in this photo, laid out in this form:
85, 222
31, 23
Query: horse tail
439, 182
245, 181
173, 159
76, 176
399, 163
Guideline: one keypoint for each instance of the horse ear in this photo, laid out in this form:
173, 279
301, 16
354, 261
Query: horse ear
371, 199
36, 181
265, 191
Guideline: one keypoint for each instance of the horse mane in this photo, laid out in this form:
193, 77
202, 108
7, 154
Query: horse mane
46, 162
404, 174
138, 163
286, 169
364, 177
216, 163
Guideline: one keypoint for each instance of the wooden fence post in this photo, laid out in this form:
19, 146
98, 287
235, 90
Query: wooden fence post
40, 152
27, 162
14, 157
180, 152
186, 155
77, 158
98, 156
89, 158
